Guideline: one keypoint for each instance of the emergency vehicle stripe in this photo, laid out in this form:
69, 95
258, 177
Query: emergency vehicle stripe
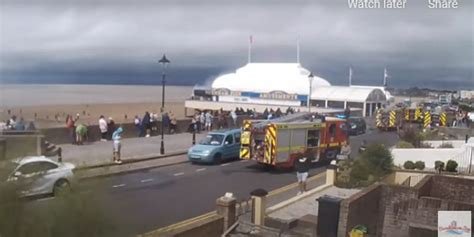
417, 114
272, 133
442, 119
392, 118
378, 118
407, 115
247, 124
427, 119
244, 153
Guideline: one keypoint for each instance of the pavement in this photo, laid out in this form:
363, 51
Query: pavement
97, 154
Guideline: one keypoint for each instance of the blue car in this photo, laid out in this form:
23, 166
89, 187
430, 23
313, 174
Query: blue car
217, 147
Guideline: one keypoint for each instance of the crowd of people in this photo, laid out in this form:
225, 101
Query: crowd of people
17, 124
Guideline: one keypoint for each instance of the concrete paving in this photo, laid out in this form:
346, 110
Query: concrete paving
309, 205
100, 153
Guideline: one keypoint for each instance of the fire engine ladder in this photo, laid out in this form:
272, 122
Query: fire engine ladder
259, 124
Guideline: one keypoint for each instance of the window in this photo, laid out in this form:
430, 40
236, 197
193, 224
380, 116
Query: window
36, 167
30, 168
313, 138
237, 137
229, 139
45, 166
332, 130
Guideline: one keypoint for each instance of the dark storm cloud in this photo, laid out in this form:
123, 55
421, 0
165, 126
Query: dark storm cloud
124, 39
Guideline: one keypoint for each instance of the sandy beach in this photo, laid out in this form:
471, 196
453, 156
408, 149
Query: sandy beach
51, 103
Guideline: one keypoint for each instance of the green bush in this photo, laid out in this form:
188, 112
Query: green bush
409, 165
439, 165
420, 165
425, 145
375, 162
404, 144
451, 166
446, 145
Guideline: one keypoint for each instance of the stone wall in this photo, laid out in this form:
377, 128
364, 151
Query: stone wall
209, 227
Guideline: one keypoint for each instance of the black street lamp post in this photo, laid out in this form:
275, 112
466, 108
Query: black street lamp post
164, 62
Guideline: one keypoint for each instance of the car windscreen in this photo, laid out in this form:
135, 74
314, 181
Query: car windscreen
213, 139
6, 169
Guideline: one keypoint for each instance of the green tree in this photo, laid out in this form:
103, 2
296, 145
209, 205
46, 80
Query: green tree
420, 165
409, 165
451, 166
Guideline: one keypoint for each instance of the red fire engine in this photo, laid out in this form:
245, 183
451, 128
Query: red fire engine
279, 142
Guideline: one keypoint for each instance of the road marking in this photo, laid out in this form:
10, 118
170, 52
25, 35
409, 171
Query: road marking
178, 174
244, 160
199, 170
118, 185
294, 185
44, 199
146, 180
226, 164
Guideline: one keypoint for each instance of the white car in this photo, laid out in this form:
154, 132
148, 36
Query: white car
37, 175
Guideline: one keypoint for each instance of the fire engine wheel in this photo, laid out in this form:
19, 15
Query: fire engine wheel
217, 158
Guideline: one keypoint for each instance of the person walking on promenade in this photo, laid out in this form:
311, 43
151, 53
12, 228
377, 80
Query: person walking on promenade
173, 123
202, 120
103, 128
146, 124
233, 114
208, 121
302, 167
197, 119
110, 128
70, 124
81, 133
138, 126
20, 125
117, 146
166, 121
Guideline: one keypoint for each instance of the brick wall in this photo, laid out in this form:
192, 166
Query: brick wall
453, 188
362, 208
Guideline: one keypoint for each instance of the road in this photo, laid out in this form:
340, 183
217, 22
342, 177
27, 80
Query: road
143, 201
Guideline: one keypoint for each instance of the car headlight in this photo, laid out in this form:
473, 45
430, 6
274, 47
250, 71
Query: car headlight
206, 152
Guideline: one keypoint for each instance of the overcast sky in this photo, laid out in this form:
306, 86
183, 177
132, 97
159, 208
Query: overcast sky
120, 41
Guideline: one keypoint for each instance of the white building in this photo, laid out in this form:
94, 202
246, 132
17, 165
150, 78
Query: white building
287, 84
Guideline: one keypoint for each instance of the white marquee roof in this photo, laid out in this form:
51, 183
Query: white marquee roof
291, 78
345, 93
387, 93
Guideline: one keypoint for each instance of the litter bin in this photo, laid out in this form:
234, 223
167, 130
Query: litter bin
328, 215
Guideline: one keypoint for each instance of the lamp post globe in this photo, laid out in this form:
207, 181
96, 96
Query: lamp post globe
164, 62
311, 78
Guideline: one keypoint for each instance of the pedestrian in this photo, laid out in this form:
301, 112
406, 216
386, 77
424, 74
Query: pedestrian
81, 133
138, 126
202, 120
117, 146
146, 123
12, 122
302, 167
197, 119
20, 125
345, 153
233, 114
110, 128
173, 123
166, 121
209, 118
103, 128
70, 125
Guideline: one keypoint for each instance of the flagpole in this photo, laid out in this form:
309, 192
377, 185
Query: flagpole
350, 76
298, 51
250, 50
